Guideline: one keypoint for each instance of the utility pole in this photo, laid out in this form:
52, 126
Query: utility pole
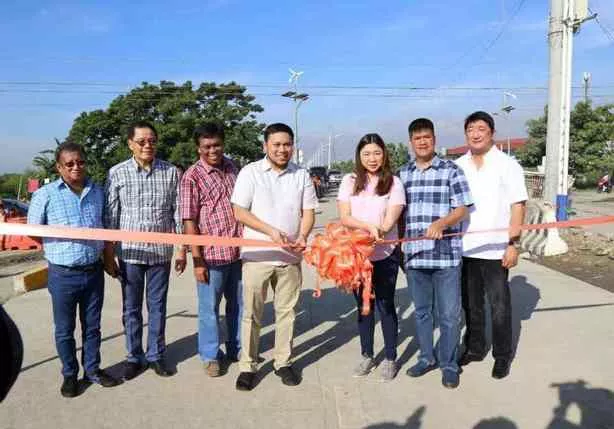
586, 78
565, 19
331, 141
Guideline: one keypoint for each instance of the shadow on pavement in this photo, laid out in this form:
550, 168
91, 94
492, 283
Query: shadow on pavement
595, 406
496, 423
413, 422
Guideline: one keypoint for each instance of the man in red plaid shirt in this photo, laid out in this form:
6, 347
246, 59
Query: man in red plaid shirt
206, 188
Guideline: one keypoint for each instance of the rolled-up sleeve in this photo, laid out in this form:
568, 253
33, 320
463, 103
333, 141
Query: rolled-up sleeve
189, 198
112, 207
37, 212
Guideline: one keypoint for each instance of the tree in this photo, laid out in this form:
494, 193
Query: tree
590, 141
175, 110
399, 155
344, 166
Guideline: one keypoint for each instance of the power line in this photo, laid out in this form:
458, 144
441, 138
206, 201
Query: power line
608, 33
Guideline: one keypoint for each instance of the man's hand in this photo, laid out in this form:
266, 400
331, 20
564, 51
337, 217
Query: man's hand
299, 244
435, 230
278, 237
180, 262
111, 267
201, 272
510, 257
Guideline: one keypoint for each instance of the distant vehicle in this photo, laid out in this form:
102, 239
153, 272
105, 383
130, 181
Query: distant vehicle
15, 208
320, 180
334, 177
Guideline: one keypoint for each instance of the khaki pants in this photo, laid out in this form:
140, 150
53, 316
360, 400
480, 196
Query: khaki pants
286, 283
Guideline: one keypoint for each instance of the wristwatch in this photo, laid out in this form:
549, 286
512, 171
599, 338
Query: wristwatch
514, 242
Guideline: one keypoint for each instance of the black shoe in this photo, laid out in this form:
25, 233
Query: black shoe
245, 381
132, 370
501, 368
450, 379
70, 387
102, 378
161, 369
469, 357
288, 376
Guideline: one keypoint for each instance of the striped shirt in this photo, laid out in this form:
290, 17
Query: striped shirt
57, 204
432, 194
141, 200
205, 199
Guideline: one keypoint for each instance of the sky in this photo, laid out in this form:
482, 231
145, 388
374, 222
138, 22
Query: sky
362, 61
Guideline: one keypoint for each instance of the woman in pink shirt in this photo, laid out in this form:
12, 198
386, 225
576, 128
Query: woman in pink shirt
372, 198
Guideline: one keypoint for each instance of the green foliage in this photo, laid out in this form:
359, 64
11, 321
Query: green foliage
399, 155
344, 166
175, 110
9, 185
591, 140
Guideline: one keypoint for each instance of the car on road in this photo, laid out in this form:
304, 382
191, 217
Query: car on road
15, 208
334, 177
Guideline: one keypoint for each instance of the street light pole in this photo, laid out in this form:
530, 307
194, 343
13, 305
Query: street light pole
507, 109
298, 99
331, 140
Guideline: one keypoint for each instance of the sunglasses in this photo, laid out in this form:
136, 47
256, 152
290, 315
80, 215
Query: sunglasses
71, 164
142, 143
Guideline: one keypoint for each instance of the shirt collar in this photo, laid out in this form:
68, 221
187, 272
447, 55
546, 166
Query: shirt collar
492, 152
209, 168
266, 165
86, 186
436, 163
136, 165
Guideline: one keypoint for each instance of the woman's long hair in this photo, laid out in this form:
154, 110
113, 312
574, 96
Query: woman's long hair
385, 173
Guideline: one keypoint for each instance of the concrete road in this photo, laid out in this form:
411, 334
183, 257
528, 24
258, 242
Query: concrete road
562, 376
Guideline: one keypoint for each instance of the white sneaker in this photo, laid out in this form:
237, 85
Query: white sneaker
365, 366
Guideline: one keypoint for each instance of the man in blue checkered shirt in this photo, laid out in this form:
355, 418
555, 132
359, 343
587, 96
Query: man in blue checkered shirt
76, 276
437, 201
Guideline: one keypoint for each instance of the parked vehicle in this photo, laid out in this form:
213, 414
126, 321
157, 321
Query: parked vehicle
334, 177
320, 180
15, 208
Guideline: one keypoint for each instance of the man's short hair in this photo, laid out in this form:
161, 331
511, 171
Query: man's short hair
277, 128
480, 116
141, 124
208, 130
69, 146
421, 124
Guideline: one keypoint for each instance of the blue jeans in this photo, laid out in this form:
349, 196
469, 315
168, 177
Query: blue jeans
443, 285
134, 277
385, 274
71, 288
223, 280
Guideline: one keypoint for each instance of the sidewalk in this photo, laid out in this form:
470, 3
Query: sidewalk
564, 328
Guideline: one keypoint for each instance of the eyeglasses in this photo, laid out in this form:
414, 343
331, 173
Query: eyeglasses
142, 143
71, 164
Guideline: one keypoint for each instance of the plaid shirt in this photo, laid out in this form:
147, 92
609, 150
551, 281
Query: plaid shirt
431, 194
57, 204
140, 200
205, 199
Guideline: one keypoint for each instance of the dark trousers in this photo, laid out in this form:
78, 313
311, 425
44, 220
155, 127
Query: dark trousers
384, 284
134, 278
486, 276
71, 288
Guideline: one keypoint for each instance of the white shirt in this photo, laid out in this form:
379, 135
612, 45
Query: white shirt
497, 185
276, 198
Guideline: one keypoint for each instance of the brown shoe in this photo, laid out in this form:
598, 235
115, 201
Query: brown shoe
213, 368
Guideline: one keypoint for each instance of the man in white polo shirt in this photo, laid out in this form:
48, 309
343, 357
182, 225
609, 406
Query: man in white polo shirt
275, 200
499, 193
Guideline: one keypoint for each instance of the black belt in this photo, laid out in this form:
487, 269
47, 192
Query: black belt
86, 268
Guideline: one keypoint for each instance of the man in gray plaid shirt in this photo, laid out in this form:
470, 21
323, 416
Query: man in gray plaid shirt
142, 195
438, 198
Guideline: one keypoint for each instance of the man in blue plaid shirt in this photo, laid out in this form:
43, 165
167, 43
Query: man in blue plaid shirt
437, 201
76, 277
